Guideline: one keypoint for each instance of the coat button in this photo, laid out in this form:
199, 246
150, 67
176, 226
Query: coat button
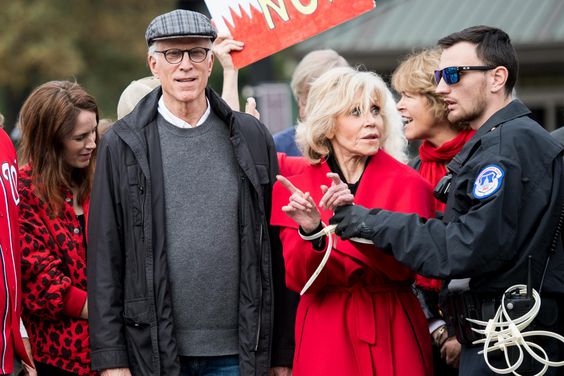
76, 230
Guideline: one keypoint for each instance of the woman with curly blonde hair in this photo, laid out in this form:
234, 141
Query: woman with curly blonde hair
425, 115
359, 317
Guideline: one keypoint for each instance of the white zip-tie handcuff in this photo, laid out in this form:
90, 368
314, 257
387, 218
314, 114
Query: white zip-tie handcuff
325, 231
502, 332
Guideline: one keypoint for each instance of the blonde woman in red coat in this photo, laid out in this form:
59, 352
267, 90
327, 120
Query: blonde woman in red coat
359, 317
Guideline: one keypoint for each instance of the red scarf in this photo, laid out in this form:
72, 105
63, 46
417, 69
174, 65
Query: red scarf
432, 169
434, 160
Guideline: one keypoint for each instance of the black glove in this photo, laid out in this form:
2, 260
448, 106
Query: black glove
351, 221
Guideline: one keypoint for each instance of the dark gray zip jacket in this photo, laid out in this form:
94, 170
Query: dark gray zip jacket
129, 301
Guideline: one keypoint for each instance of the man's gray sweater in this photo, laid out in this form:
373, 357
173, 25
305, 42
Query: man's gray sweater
202, 238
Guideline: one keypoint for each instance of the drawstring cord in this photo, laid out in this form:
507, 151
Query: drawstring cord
325, 231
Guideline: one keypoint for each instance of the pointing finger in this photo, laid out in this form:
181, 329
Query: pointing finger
335, 177
287, 184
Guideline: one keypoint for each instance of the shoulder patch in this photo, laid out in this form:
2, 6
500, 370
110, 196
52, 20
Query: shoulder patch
488, 182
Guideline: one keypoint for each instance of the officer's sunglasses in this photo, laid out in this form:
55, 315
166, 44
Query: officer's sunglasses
451, 75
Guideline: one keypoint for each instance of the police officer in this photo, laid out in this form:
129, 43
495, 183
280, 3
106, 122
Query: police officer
504, 193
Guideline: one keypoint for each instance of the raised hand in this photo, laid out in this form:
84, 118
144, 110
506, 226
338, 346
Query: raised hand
222, 48
338, 194
301, 207
251, 107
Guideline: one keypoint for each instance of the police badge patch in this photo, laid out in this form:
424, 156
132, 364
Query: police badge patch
488, 181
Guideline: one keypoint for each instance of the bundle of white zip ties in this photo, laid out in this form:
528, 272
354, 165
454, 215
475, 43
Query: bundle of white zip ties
325, 231
502, 332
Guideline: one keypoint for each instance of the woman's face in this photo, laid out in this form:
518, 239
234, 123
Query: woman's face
357, 134
80, 144
417, 116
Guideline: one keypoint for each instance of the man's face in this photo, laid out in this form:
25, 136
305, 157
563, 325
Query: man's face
183, 83
467, 99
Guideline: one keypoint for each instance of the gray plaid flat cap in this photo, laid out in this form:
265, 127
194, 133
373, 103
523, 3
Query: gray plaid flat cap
179, 23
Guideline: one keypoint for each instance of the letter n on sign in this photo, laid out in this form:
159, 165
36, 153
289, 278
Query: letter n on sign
268, 26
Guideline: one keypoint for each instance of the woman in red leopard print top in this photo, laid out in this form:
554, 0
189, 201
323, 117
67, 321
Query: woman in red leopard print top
58, 122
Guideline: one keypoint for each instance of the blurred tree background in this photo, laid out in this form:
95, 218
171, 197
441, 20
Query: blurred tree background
100, 44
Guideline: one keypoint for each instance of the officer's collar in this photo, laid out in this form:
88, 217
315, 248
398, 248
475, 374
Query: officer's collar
513, 110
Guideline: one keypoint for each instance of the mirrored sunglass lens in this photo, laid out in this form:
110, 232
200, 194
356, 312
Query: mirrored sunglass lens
451, 75
173, 56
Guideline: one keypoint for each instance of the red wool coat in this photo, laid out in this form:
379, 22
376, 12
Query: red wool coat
53, 280
291, 165
359, 317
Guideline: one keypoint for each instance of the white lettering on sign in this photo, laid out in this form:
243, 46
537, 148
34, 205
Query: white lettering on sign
279, 7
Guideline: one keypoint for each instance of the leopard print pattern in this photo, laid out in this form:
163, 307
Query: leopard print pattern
53, 273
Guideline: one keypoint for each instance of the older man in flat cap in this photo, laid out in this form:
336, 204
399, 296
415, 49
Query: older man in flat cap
184, 269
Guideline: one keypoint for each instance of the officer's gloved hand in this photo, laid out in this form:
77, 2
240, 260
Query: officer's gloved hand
351, 221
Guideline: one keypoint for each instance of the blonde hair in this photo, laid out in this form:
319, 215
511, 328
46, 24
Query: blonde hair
416, 75
339, 91
313, 65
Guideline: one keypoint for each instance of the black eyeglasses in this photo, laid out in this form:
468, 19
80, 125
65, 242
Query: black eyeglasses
451, 75
175, 55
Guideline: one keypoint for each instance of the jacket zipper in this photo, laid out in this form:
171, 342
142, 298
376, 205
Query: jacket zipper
141, 192
241, 212
244, 186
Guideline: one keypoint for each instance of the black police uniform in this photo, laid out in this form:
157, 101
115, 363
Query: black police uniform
504, 201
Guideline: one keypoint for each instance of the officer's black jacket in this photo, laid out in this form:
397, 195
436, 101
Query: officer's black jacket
489, 239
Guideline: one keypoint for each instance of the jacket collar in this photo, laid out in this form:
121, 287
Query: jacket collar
134, 130
147, 109
515, 109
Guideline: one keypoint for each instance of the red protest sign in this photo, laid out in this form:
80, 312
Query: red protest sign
268, 26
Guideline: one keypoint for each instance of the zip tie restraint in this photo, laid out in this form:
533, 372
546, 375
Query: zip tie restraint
325, 231
502, 332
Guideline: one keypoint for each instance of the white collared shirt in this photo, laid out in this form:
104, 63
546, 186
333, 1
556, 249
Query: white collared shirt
178, 122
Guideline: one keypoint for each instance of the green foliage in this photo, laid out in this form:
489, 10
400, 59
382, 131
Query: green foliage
100, 44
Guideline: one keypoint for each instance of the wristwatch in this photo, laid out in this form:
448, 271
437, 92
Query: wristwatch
440, 336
